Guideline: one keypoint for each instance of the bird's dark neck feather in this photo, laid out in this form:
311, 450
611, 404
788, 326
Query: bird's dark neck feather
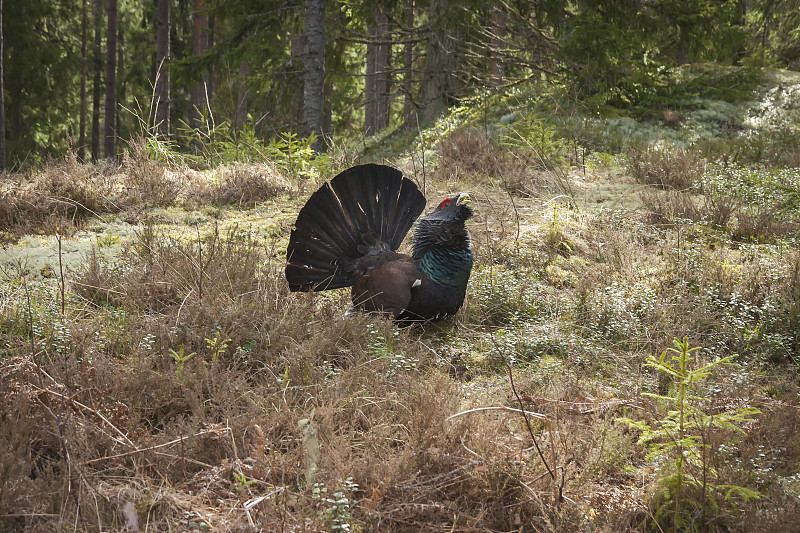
443, 250
447, 267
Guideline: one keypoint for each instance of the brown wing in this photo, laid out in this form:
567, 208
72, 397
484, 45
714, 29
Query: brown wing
387, 289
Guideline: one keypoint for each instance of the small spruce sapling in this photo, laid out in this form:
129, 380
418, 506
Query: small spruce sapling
679, 440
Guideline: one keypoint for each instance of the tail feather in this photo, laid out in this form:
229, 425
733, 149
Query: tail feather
409, 204
356, 212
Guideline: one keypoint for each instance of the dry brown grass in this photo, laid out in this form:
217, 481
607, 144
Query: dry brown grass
666, 168
467, 155
146, 182
762, 223
237, 184
65, 193
62, 193
111, 409
672, 118
671, 207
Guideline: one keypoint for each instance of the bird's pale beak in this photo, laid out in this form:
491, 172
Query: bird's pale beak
463, 199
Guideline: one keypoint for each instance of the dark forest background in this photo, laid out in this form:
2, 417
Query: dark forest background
91, 75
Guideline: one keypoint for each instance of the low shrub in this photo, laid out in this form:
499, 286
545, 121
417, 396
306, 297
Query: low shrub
666, 168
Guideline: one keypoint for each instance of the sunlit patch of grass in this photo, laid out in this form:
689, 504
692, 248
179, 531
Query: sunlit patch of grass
505, 297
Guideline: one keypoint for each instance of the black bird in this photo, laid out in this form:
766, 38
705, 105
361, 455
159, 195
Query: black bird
347, 235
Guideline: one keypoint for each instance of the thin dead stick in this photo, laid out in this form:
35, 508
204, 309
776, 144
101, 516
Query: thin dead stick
522, 405
104, 289
582, 408
185, 459
75, 203
93, 411
540, 476
532, 493
498, 408
205, 518
27, 515
177, 318
233, 440
163, 445
250, 519
249, 504
61, 271
81, 424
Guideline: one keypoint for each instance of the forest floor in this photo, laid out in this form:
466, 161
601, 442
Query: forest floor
157, 375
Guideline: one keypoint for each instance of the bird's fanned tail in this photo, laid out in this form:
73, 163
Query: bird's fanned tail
365, 209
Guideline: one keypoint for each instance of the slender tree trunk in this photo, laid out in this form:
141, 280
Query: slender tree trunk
196, 93
314, 76
111, 82
241, 100
680, 54
376, 82
2, 96
741, 50
496, 71
163, 24
208, 79
293, 90
97, 81
436, 83
120, 77
370, 78
82, 119
327, 109
382, 69
408, 102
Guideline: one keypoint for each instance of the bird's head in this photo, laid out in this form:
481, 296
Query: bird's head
453, 208
444, 230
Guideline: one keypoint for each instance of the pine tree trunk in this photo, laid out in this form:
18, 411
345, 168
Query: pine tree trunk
208, 79
438, 63
111, 82
2, 97
162, 74
82, 119
327, 109
681, 52
241, 98
408, 102
376, 82
120, 77
314, 76
292, 90
97, 82
196, 93
382, 69
370, 81
496, 72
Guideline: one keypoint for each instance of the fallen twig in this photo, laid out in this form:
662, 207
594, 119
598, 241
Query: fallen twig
149, 448
582, 408
93, 411
499, 408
